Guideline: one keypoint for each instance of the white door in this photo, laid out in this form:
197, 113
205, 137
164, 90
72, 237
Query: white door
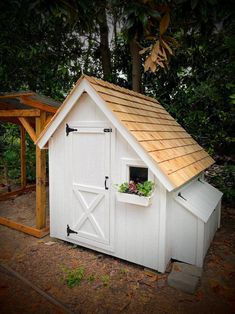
90, 218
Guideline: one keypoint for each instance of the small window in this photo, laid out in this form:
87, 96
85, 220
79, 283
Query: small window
138, 174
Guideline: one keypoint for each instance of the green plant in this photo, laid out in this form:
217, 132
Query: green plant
223, 178
74, 276
123, 188
146, 188
122, 271
91, 278
105, 280
141, 189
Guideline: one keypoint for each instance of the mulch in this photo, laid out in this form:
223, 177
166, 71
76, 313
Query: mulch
109, 285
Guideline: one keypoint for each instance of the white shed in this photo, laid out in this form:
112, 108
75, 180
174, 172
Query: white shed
101, 136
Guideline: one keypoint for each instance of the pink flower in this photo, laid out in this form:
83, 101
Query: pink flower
132, 187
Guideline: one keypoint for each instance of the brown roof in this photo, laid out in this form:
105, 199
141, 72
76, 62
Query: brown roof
175, 152
172, 149
26, 99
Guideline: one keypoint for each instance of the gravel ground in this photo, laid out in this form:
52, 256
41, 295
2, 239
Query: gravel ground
109, 285
22, 209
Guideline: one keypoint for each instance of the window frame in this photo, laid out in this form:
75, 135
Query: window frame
129, 162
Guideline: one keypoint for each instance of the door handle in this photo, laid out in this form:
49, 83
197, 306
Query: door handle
105, 182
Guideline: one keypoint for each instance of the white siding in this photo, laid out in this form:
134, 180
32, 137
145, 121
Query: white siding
183, 231
211, 227
192, 222
135, 228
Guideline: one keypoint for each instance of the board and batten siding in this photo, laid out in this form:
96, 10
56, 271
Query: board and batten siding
182, 228
188, 236
136, 228
210, 228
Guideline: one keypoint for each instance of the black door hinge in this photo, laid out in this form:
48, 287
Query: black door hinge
107, 130
68, 129
70, 231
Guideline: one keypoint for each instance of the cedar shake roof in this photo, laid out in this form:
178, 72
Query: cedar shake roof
175, 152
170, 147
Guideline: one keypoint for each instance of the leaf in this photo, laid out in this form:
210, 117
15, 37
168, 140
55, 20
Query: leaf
153, 67
172, 40
156, 47
162, 53
144, 19
161, 64
155, 14
144, 50
129, 23
148, 63
165, 45
194, 4
155, 50
164, 23
153, 56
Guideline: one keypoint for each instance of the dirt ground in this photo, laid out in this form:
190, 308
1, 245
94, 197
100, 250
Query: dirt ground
109, 285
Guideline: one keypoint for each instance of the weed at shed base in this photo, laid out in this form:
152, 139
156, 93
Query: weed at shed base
73, 277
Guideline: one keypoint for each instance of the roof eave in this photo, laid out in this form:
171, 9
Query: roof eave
84, 86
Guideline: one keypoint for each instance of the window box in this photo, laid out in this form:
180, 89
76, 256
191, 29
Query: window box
134, 199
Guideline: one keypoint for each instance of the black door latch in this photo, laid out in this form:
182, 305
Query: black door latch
68, 129
107, 130
105, 183
70, 231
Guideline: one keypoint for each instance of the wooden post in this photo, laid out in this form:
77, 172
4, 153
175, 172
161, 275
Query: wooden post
23, 157
40, 176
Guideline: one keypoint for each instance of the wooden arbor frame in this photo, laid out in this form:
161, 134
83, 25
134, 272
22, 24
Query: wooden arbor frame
31, 112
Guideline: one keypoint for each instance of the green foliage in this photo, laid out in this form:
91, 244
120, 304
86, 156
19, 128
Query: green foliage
123, 271
74, 276
105, 280
10, 153
198, 88
142, 189
223, 178
91, 278
39, 53
123, 188
146, 188
47, 53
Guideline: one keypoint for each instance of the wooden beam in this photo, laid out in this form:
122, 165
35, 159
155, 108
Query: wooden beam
23, 228
29, 128
5, 106
16, 95
40, 176
20, 113
37, 104
6, 196
23, 157
48, 119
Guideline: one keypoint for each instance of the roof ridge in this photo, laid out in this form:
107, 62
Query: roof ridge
120, 88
